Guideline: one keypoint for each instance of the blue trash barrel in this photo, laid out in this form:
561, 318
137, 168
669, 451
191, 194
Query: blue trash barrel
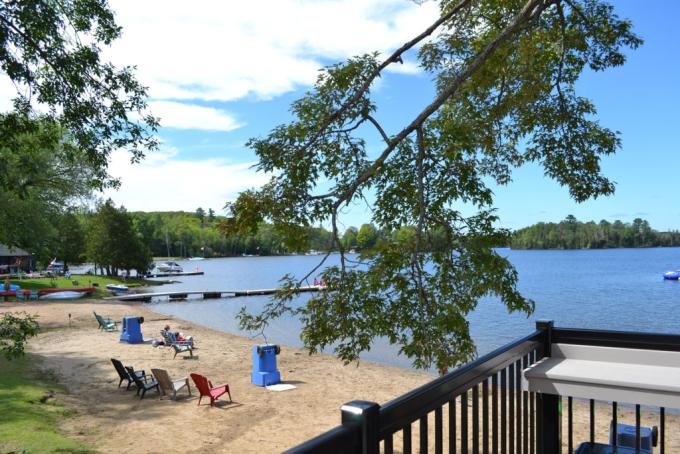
626, 437
264, 365
131, 332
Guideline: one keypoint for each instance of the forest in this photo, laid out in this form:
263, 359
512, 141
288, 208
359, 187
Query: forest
573, 234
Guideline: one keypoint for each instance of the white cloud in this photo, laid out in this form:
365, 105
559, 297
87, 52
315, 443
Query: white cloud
167, 183
216, 50
190, 116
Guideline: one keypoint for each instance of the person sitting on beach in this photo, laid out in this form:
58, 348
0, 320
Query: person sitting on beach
179, 336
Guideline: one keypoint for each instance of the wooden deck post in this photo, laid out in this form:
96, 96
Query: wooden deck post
366, 415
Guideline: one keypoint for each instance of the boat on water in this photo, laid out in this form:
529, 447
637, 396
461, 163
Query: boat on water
672, 275
64, 295
117, 288
196, 259
56, 266
169, 267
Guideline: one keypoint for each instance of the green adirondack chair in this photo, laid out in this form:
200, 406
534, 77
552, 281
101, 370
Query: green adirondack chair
105, 324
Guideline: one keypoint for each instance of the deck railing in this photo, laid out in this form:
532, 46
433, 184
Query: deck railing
481, 407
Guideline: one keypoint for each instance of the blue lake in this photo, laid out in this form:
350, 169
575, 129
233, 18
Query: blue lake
609, 289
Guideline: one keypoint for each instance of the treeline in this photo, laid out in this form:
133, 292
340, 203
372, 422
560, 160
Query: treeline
573, 234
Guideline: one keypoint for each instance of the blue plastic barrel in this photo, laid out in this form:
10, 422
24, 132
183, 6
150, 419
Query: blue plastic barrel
264, 365
131, 331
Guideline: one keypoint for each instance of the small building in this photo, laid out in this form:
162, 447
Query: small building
13, 259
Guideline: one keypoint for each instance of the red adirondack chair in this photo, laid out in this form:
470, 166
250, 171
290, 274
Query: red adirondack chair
206, 388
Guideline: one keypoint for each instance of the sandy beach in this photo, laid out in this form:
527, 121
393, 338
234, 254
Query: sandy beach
259, 420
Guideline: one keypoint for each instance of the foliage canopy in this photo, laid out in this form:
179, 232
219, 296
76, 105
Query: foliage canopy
505, 73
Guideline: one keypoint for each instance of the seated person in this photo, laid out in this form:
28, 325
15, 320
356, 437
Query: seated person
179, 336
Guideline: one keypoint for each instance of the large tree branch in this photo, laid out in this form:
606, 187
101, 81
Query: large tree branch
531, 9
395, 57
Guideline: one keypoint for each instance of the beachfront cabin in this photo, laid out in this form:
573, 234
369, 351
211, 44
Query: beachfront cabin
555, 390
14, 259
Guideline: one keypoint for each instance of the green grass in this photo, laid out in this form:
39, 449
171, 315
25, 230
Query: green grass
84, 280
26, 422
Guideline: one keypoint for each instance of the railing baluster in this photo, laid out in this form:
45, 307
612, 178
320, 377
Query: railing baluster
494, 413
388, 444
511, 408
423, 434
407, 440
637, 428
438, 436
504, 402
525, 409
592, 421
485, 416
452, 426
570, 435
662, 430
532, 410
463, 423
615, 422
518, 397
475, 419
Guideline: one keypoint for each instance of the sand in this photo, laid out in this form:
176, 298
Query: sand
113, 420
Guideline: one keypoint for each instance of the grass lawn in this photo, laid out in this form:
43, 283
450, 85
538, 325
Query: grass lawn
29, 420
84, 280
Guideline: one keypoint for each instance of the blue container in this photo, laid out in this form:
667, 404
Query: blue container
264, 365
626, 436
131, 331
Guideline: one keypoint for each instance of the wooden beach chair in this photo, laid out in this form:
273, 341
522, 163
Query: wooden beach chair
168, 385
144, 383
124, 372
105, 324
206, 389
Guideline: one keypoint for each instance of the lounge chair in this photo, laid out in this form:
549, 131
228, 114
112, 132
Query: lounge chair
105, 324
170, 339
206, 389
143, 383
124, 374
169, 385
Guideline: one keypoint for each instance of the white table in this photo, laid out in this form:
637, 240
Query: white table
647, 377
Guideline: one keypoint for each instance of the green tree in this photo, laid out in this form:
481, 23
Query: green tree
200, 214
505, 73
367, 236
70, 239
349, 238
113, 243
51, 52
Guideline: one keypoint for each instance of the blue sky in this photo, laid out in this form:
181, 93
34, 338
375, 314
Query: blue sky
219, 83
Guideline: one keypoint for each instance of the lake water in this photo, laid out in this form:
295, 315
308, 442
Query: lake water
609, 289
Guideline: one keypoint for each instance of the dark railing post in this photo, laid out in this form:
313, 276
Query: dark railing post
549, 414
548, 326
365, 415
550, 427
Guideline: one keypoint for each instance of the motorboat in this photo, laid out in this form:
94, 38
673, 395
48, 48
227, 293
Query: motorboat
672, 275
56, 266
169, 267
196, 259
117, 288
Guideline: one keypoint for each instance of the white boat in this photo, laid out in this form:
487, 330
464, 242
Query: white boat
118, 288
169, 267
196, 259
65, 295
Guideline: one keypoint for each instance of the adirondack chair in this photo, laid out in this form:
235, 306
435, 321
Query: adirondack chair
124, 374
143, 383
170, 339
105, 323
206, 389
20, 295
33, 295
182, 349
168, 385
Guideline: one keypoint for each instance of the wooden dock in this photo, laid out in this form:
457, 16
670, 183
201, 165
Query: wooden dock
206, 294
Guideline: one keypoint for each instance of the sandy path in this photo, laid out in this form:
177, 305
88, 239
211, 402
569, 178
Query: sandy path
114, 420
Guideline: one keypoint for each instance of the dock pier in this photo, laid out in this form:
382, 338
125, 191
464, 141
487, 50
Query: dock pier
206, 294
